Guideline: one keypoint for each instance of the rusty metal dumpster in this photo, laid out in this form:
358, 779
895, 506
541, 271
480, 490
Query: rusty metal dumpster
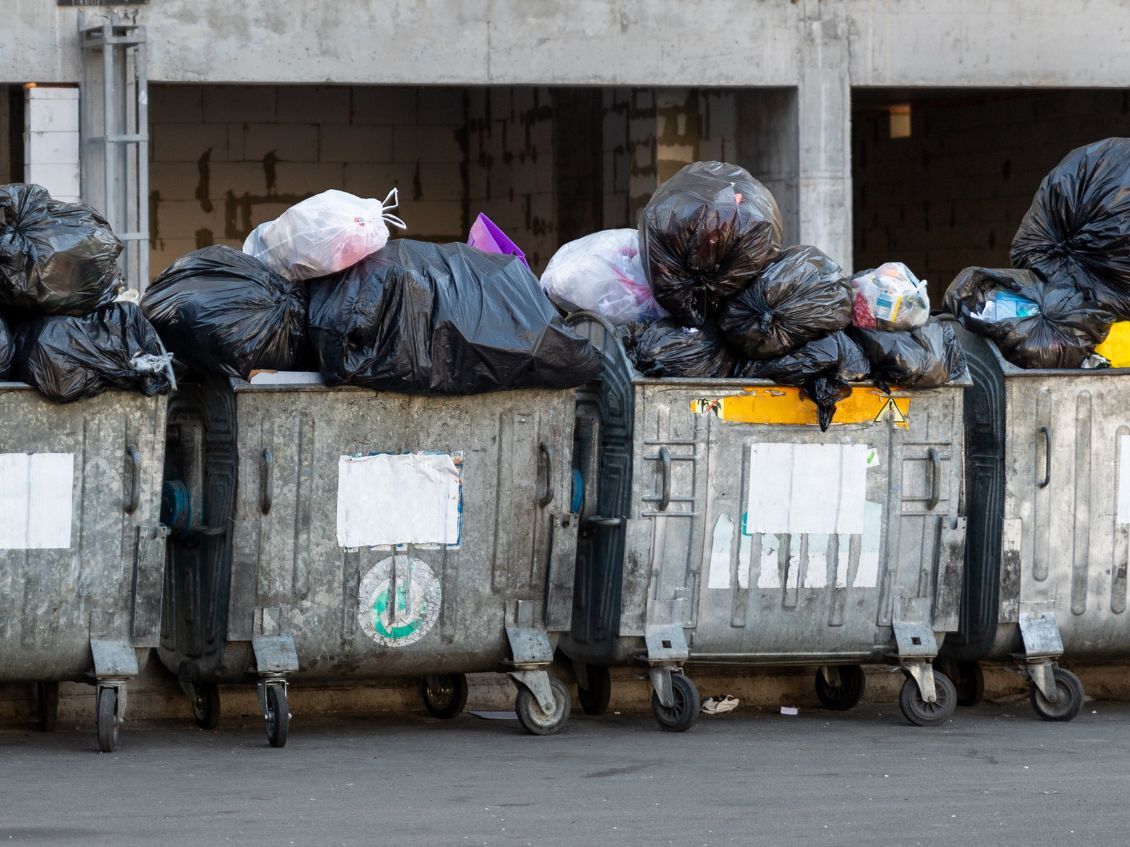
81, 549
343, 533
720, 526
1048, 463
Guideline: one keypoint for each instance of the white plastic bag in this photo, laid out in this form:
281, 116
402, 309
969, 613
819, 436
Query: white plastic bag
602, 273
890, 297
323, 234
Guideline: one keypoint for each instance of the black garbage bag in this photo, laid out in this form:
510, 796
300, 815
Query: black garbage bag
68, 358
704, 234
443, 319
225, 313
1077, 230
924, 357
1035, 324
55, 258
799, 296
823, 368
666, 348
7, 348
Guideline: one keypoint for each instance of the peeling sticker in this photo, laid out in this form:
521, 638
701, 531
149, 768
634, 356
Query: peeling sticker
745, 554
719, 576
816, 572
387, 499
867, 574
770, 576
36, 490
399, 601
1123, 495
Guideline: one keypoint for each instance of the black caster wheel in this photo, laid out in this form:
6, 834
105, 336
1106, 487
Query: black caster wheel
278, 715
47, 705
918, 711
530, 714
206, 706
444, 695
107, 719
681, 716
846, 695
595, 698
1070, 690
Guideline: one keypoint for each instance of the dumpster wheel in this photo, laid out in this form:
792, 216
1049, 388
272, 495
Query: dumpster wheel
206, 705
47, 705
846, 694
681, 716
1069, 689
595, 698
918, 711
444, 695
278, 715
531, 716
107, 719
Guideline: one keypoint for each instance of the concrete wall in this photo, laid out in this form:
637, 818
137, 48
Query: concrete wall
226, 158
953, 194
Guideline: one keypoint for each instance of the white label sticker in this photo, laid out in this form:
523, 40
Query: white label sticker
807, 488
413, 498
36, 490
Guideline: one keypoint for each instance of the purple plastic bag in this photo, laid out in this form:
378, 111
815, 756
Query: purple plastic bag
486, 236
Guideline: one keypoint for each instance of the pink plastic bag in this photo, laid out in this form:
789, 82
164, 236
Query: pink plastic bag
486, 236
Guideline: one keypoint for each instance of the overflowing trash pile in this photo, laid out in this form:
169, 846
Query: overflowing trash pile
1066, 301
66, 327
322, 286
705, 289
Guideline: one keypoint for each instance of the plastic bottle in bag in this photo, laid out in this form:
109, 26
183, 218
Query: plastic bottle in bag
323, 234
602, 273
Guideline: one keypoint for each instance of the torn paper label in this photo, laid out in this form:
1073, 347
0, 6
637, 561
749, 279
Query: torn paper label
799, 489
719, 576
36, 492
413, 498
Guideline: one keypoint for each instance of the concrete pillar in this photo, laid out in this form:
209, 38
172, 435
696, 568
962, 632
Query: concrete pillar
767, 148
51, 141
824, 131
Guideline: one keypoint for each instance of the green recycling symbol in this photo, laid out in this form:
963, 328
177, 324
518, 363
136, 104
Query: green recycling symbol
399, 601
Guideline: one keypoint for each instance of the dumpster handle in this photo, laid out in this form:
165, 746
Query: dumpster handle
665, 471
547, 496
134, 478
935, 478
1047, 456
266, 489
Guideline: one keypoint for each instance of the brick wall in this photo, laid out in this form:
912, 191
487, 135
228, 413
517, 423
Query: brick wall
226, 158
953, 194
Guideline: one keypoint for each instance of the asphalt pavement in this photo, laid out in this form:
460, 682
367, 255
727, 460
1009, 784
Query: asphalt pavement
995, 775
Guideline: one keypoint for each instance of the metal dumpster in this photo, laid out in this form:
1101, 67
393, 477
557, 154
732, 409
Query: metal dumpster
719, 525
1048, 463
81, 550
343, 533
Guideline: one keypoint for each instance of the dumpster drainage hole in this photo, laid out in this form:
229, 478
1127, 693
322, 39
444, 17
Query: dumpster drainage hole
916, 641
666, 644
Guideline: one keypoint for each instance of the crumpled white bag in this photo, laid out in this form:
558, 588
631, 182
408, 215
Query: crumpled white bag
602, 273
323, 234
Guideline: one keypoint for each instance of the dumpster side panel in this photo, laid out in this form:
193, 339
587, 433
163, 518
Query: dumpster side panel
437, 602
776, 542
1067, 505
80, 548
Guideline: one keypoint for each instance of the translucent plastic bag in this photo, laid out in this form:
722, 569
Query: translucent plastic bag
889, 297
323, 234
602, 273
